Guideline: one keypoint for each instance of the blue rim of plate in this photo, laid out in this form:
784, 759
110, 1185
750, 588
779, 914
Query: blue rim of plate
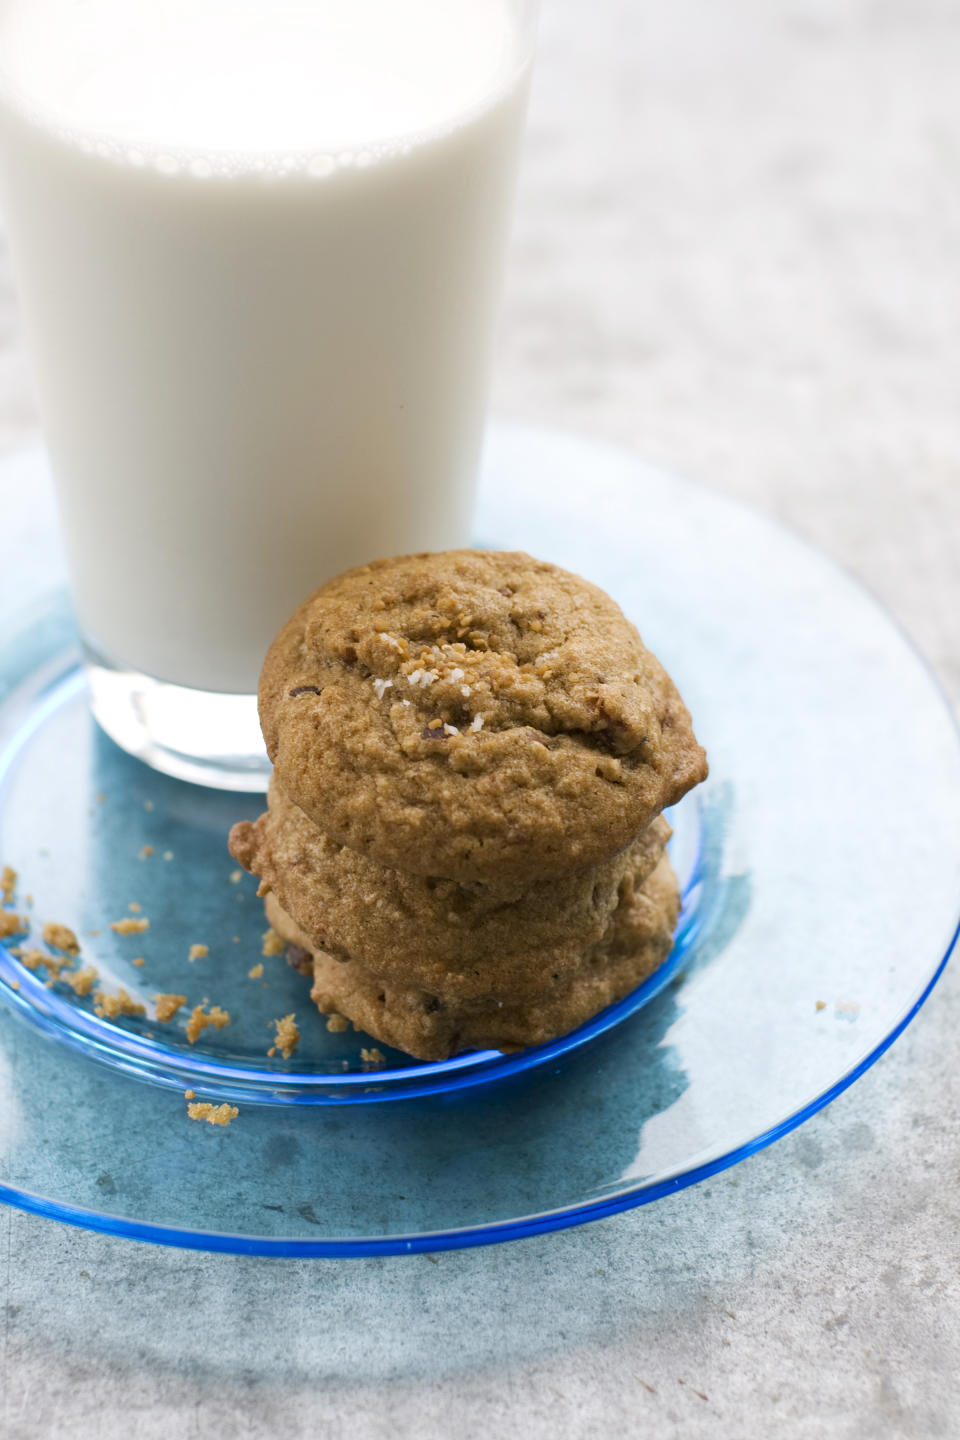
466, 1238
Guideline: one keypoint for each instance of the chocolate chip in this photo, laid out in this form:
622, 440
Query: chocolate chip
300, 959
305, 690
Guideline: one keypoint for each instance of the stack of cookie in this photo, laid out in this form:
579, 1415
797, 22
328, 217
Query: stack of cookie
471, 753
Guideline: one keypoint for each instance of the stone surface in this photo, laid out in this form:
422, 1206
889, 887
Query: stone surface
737, 250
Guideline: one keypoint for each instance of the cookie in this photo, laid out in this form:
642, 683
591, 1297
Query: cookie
463, 941
479, 716
639, 938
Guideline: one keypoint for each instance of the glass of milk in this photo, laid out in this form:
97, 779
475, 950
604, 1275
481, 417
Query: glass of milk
258, 246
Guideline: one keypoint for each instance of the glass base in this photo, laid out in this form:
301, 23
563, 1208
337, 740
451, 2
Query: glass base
202, 736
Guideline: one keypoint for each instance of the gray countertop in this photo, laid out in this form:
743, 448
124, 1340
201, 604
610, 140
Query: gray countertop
738, 251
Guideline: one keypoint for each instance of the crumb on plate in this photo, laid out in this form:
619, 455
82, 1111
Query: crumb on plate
336, 1024
83, 981
213, 1114
201, 1019
113, 1006
273, 944
168, 1005
146, 852
8, 883
256, 971
130, 925
197, 952
288, 1036
61, 937
373, 1057
11, 924
31, 959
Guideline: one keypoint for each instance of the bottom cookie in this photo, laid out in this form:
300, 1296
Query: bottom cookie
432, 1027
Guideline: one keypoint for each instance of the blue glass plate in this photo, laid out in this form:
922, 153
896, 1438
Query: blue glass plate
816, 917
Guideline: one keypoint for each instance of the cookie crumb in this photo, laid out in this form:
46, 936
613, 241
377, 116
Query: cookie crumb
134, 908
235, 877
200, 1020
83, 981
820, 1005
373, 1057
11, 924
273, 944
189, 1094
138, 962
130, 926
168, 854
288, 1036
14, 984
113, 1006
336, 1024
8, 884
146, 852
168, 1005
256, 971
198, 952
32, 958
61, 937
213, 1114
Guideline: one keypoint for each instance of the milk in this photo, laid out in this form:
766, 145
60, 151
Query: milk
258, 247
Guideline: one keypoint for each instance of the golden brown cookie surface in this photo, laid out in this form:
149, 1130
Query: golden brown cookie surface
475, 715
638, 939
468, 941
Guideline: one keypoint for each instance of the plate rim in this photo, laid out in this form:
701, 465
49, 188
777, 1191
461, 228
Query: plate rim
569, 1215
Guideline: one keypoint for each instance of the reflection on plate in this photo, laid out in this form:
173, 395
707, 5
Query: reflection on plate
802, 950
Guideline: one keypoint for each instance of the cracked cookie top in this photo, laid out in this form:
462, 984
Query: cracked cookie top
474, 715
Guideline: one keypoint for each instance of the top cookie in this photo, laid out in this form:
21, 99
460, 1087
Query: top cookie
473, 715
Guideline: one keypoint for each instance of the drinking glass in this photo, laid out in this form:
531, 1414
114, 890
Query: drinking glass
258, 247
